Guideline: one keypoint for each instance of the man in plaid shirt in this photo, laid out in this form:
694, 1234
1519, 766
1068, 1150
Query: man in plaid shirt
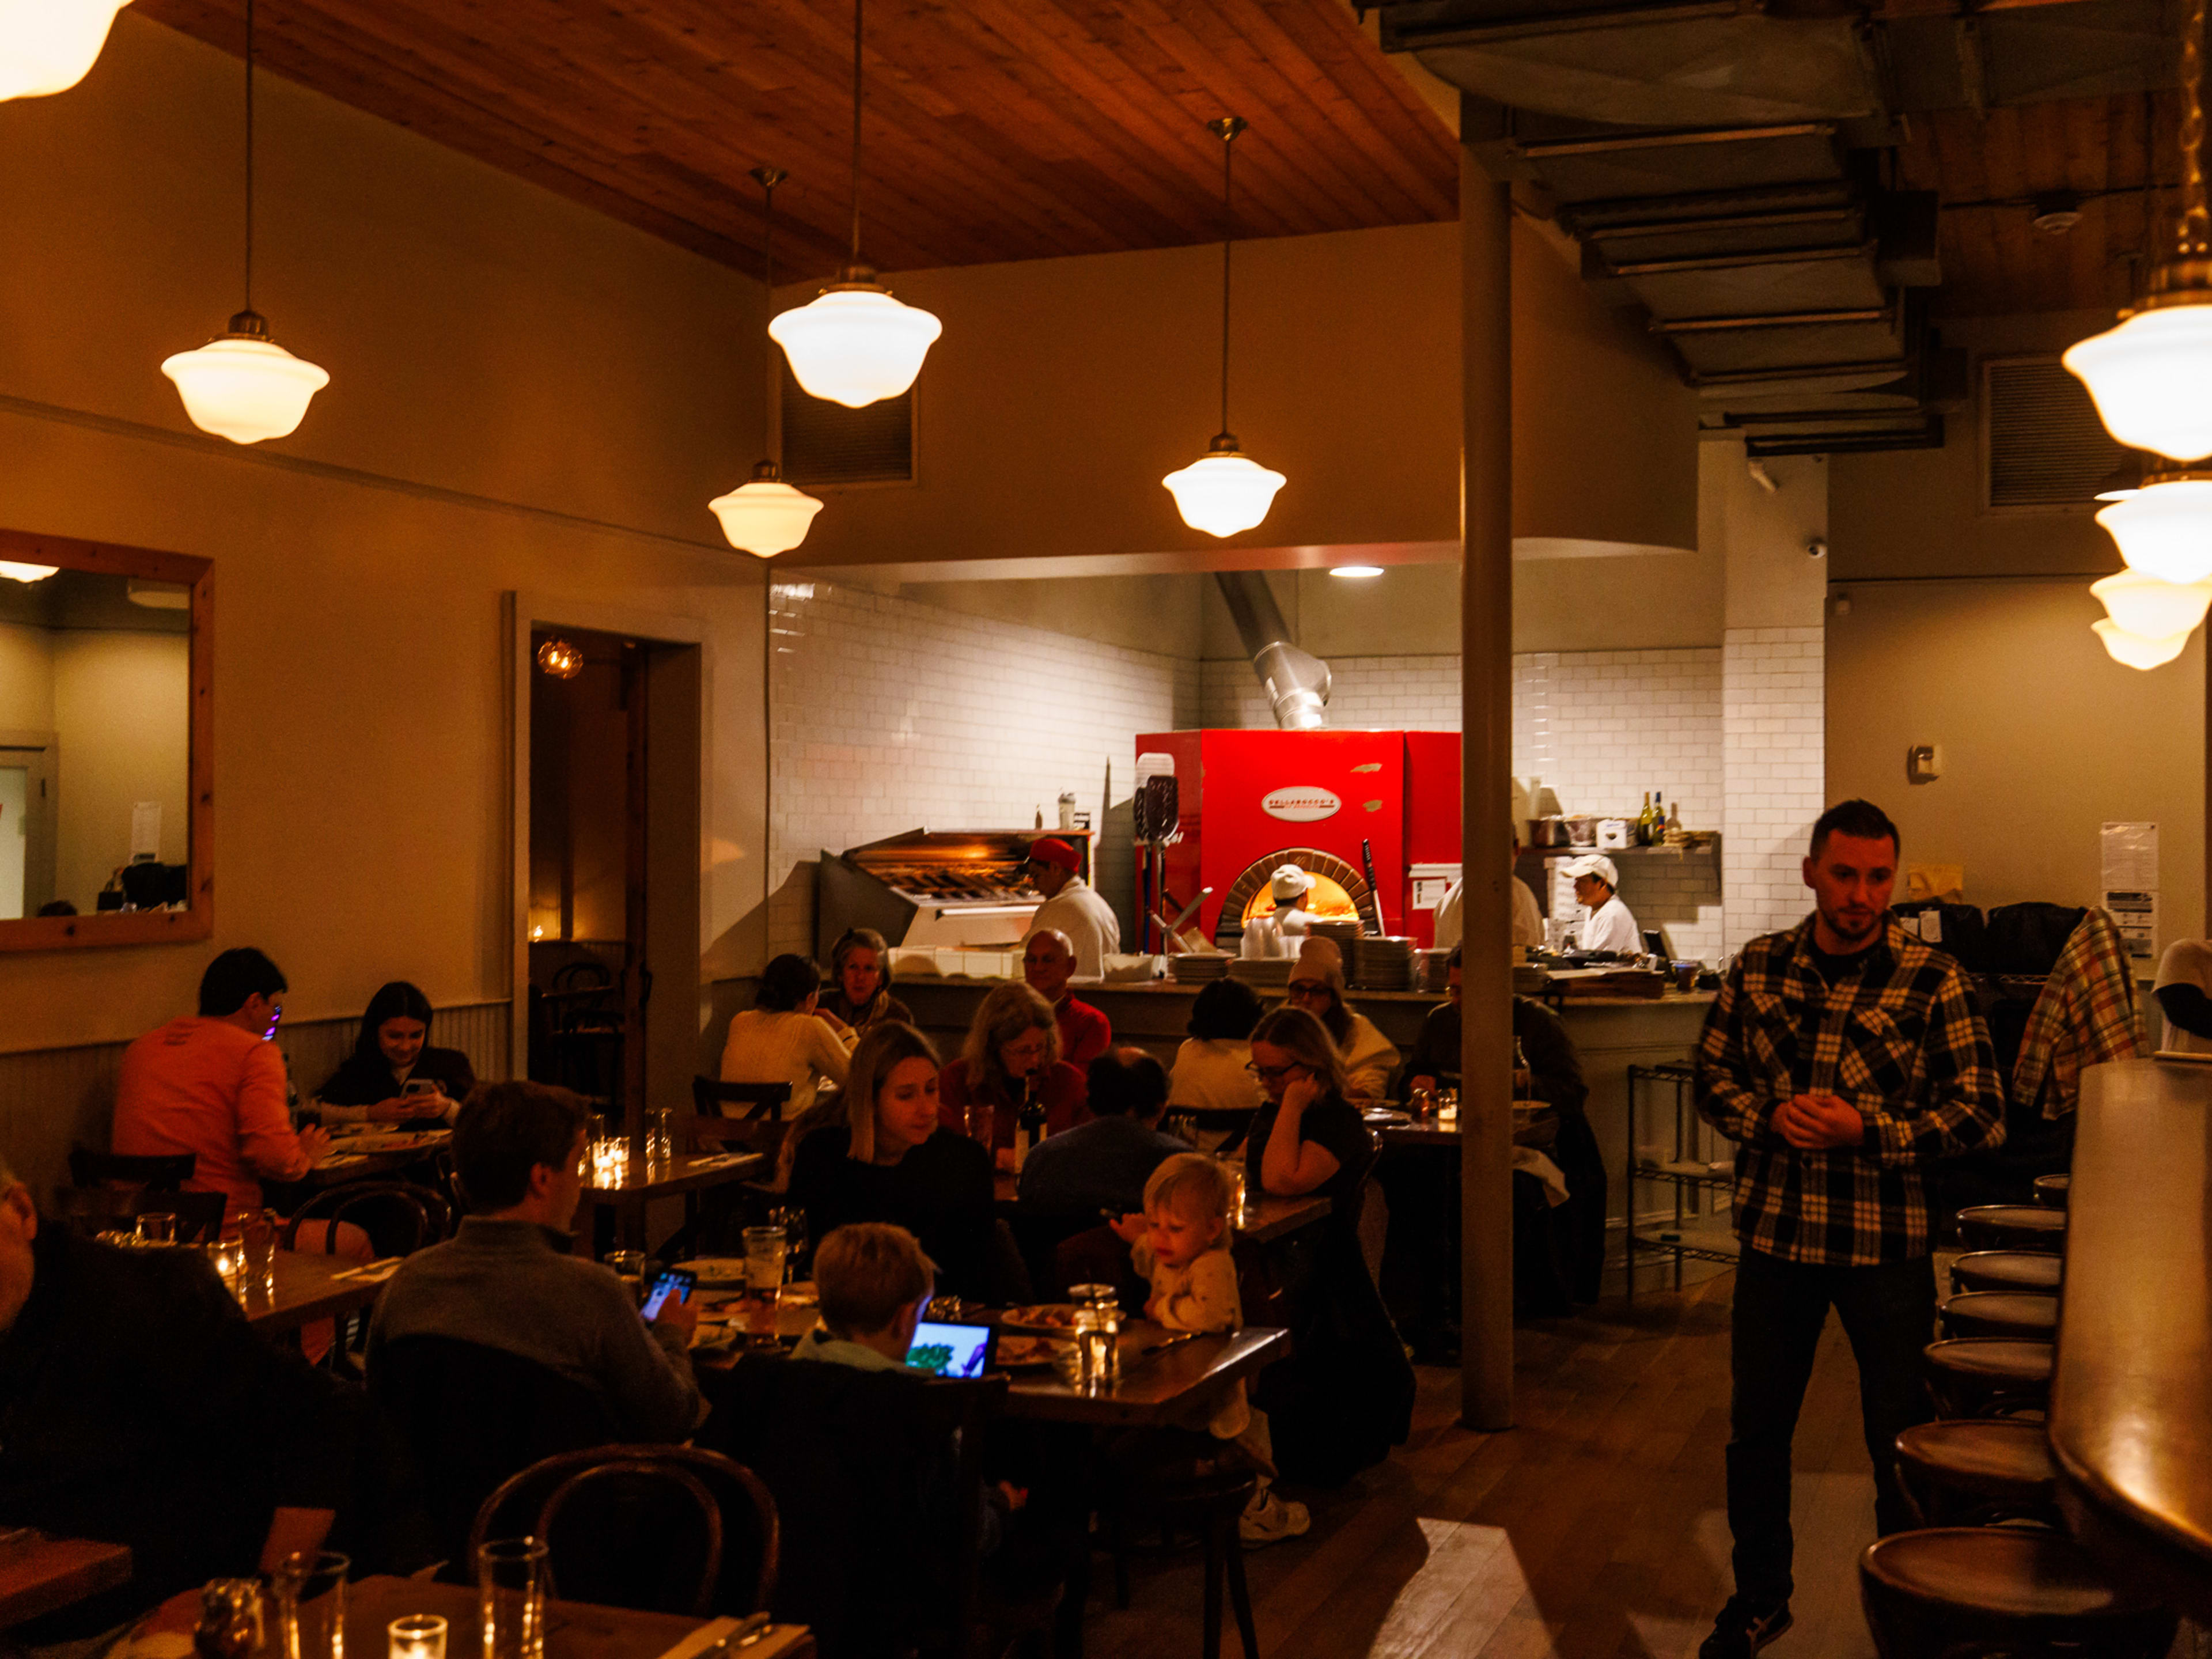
1843, 1057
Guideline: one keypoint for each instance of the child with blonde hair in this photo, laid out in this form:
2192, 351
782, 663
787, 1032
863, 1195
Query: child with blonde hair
1184, 1255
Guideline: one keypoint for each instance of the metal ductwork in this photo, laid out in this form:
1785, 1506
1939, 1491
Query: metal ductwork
1720, 165
1297, 680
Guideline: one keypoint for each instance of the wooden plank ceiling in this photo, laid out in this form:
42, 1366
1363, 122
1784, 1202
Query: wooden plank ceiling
1988, 170
995, 129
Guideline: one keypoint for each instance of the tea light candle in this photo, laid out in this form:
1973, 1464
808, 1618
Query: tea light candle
419, 1636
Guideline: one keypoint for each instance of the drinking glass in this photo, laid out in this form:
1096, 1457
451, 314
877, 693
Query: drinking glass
983, 1124
310, 1602
511, 1580
418, 1635
793, 1220
660, 1136
157, 1227
258, 1229
765, 1250
1098, 1333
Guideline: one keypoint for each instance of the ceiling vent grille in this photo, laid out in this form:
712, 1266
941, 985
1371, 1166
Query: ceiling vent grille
826, 443
2042, 443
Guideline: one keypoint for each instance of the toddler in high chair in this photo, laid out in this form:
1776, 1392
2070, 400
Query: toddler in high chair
1184, 1255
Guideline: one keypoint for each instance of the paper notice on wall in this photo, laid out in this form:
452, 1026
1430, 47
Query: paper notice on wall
2129, 889
145, 830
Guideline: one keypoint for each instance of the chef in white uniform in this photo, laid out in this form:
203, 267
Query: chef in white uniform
1072, 906
1527, 915
1610, 926
1282, 930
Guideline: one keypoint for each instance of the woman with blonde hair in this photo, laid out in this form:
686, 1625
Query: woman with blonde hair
890, 1161
1346, 1396
1011, 1059
1317, 985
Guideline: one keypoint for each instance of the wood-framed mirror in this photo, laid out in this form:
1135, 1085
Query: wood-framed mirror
106, 743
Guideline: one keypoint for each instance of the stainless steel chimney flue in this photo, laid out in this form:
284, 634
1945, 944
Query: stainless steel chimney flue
1297, 682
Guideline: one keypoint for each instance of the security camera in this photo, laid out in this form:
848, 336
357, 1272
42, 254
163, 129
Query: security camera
1818, 547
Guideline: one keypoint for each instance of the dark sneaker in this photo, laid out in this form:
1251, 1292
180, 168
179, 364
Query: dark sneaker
1744, 1628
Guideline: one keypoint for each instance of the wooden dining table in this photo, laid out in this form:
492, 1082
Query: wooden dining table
40, 1575
1539, 1130
2131, 1420
349, 1160
1261, 1220
675, 1177
573, 1630
306, 1287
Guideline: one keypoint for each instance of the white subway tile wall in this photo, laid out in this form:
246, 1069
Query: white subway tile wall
887, 715
1774, 726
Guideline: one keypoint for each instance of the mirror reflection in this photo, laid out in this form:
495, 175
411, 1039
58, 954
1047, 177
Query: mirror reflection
95, 742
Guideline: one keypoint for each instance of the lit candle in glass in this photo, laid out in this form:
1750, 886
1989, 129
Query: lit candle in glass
419, 1636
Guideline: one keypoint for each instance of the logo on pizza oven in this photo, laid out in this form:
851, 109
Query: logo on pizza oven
1299, 804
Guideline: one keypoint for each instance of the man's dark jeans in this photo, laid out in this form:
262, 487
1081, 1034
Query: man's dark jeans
1888, 1313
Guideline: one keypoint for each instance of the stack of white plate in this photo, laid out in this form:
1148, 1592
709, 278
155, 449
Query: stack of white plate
1382, 964
1197, 968
1344, 932
1262, 973
1435, 970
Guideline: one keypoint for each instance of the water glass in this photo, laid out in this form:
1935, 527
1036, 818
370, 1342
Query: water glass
418, 1635
157, 1227
510, 1585
258, 1231
660, 1136
765, 1250
311, 1603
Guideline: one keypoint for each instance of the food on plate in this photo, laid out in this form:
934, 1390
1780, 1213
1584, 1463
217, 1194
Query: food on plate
1044, 1315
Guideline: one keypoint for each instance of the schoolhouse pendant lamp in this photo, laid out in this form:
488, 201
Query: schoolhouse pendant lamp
49, 45
242, 385
1225, 490
766, 516
26, 574
2151, 376
855, 344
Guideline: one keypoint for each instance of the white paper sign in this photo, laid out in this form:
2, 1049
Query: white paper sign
146, 830
2129, 889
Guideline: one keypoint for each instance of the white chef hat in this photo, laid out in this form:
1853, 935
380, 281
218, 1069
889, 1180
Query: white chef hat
1289, 882
1595, 864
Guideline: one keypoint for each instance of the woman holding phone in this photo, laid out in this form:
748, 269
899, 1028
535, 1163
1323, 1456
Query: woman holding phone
393, 1074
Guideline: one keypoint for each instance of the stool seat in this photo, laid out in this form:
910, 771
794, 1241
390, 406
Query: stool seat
2006, 1586
2000, 1462
1988, 1377
2008, 1270
2001, 1313
2051, 1190
2012, 1227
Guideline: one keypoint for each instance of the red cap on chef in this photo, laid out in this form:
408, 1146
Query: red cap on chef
1052, 850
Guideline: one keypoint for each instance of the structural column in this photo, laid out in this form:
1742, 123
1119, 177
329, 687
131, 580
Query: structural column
1485, 217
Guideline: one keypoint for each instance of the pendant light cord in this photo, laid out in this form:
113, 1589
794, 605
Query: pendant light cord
857, 5
768, 179
249, 154
1227, 240
2195, 227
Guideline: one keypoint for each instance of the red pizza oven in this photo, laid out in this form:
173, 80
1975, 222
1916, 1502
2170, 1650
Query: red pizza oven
1251, 800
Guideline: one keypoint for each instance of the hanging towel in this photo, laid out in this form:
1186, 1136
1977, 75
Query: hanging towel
2085, 1016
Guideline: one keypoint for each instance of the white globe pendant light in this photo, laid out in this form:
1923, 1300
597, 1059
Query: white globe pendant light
26, 574
853, 344
2138, 650
2154, 610
1225, 490
2151, 377
2164, 529
765, 516
49, 45
242, 385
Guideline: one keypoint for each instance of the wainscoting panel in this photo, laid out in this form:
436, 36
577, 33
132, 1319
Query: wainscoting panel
53, 1099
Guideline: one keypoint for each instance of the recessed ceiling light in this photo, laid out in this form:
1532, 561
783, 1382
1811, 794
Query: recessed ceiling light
1355, 572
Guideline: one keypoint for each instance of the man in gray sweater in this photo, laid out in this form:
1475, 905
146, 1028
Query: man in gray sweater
507, 1281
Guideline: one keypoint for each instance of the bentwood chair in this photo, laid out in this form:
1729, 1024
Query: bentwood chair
656, 1528
400, 1217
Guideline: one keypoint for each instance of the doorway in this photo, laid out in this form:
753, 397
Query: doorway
608, 751
29, 806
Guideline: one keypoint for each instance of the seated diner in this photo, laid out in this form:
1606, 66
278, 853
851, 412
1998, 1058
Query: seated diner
1009, 1064
860, 992
393, 1074
1048, 964
1317, 986
781, 1039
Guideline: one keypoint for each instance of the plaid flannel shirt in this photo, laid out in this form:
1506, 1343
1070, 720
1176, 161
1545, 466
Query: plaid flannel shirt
2085, 1016
1900, 1039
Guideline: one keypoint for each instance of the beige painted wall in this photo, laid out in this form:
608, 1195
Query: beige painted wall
1760, 535
2045, 737
123, 708
27, 678
1918, 512
523, 396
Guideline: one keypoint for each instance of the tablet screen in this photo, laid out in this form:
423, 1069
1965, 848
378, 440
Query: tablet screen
950, 1350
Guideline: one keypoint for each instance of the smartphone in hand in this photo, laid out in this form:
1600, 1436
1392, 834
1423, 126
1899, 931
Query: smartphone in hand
679, 1282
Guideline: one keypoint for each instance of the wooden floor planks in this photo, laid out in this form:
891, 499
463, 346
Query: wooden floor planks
1593, 1529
